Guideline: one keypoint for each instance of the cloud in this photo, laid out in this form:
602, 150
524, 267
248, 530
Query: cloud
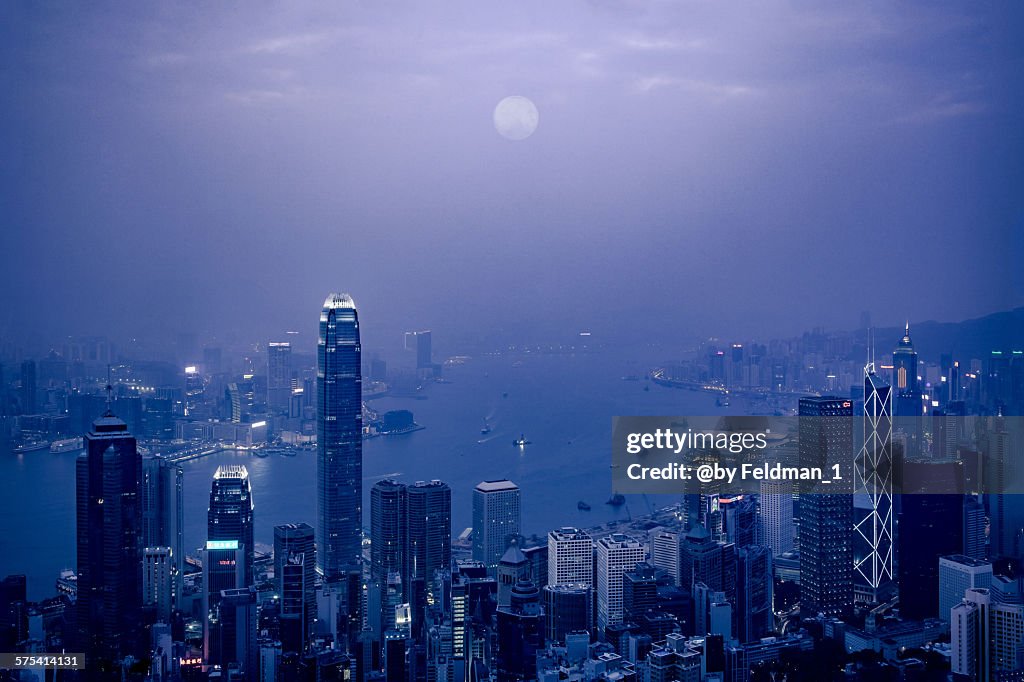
293, 43
646, 84
946, 105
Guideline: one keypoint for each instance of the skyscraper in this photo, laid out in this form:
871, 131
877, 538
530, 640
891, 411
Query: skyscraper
228, 559
388, 500
496, 520
163, 521
754, 615
279, 376
421, 343
230, 514
339, 439
930, 527
28, 387
109, 604
665, 552
777, 529
985, 636
907, 408
570, 557
158, 581
957, 574
428, 540
904, 369
873, 508
520, 633
294, 574
826, 519
616, 554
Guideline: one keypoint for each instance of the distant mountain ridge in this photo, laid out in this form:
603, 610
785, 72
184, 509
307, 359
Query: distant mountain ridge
975, 338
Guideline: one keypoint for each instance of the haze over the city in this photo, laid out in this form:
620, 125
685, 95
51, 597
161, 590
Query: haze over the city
703, 168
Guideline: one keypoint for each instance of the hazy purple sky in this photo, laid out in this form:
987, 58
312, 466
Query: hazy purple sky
704, 167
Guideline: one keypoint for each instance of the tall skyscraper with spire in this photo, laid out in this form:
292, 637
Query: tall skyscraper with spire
907, 408
904, 377
873, 490
339, 468
109, 604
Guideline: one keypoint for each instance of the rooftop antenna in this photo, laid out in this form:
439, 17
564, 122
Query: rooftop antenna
870, 368
110, 391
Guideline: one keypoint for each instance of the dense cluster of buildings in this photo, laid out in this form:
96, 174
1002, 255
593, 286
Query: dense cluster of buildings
718, 588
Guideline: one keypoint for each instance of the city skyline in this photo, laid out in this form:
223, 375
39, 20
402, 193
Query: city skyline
689, 342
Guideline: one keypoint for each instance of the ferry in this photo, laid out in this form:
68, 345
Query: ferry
66, 445
31, 447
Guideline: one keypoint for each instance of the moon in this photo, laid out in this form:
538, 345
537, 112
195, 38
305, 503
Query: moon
516, 117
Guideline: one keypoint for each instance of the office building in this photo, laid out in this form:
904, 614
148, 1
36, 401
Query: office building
986, 637
873, 495
109, 530
701, 560
163, 515
520, 633
957, 574
224, 569
339, 440
754, 585
428, 541
929, 528
496, 520
29, 402
230, 514
294, 577
570, 557
739, 519
616, 554
387, 528
158, 573
420, 342
665, 552
826, 519
237, 630
279, 376
975, 522
567, 608
777, 528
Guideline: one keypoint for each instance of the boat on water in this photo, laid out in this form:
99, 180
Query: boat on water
521, 442
616, 500
66, 445
486, 429
722, 401
31, 447
582, 506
